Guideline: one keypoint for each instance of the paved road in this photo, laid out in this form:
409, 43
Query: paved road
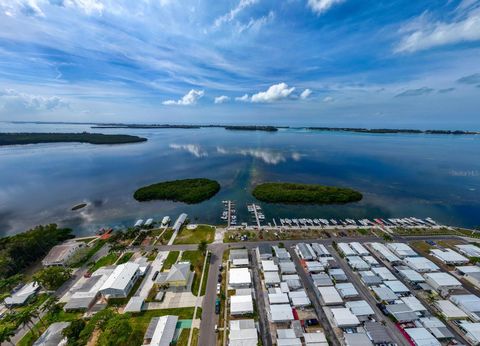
312, 294
367, 295
260, 299
209, 318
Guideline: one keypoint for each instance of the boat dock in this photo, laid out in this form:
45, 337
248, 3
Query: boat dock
229, 213
255, 210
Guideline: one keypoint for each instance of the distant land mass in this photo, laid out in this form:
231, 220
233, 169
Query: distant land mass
413, 131
84, 137
167, 126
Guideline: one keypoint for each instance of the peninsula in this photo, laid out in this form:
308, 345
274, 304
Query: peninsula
295, 193
84, 137
190, 191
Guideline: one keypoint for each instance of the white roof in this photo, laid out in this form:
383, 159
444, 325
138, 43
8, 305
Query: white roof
450, 310
346, 289
272, 278
239, 276
359, 248
396, 286
422, 337
385, 252
469, 303
411, 275
401, 249
473, 331
243, 337
420, 264
384, 273
385, 293
442, 279
314, 266
469, 250
241, 304
278, 298
315, 339
346, 249
21, 296
299, 298
121, 276
360, 308
164, 331
356, 262
134, 305
344, 318
370, 260
53, 335
269, 266
330, 295
449, 256
468, 269
281, 312
413, 303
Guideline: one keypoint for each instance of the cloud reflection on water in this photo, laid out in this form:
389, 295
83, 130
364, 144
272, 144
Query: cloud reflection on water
268, 156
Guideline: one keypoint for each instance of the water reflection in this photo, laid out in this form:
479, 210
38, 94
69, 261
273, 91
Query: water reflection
268, 156
193, 149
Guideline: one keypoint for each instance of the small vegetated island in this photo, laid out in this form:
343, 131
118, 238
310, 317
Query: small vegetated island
84, 137
294, 193
189, 191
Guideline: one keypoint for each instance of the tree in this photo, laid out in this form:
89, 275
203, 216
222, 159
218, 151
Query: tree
202, 247
50, 305
117, 332
6, 334
52, 278
25, 318
72, 332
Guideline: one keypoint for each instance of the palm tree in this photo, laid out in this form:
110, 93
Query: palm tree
202, 247
6, 335
25, 318
49, 304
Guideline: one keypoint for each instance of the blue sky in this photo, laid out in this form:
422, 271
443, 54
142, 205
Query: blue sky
294, 62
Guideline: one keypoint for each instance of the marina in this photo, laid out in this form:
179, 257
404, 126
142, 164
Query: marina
229, 213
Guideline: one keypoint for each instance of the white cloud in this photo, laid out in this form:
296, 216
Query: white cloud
88, 6
305, 94
230, 16
257, 23
423, 33
243, 98
12, 100
221, 99
275, 93
322, 6
193, 149
190, 98
328, 99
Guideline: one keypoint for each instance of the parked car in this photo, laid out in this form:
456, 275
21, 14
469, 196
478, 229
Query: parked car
218, 288
155, 275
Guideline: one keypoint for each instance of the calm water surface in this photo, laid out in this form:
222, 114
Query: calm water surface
399, 175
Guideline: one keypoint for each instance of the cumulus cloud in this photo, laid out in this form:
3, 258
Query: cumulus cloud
415, 92
221, 99
233, 13
423, 33
190, 98
193, 149
274, 93
471, 79
305, 94
322, 6
244, 98
13, 100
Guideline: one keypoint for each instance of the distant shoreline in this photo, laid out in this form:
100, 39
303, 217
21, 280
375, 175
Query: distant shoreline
266, 128
22, 138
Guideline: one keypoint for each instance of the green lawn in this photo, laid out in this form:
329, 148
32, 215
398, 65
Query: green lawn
196, 258
166, 236
88, 254
104, 261
171, 259
195, 236
125, 258
183, 338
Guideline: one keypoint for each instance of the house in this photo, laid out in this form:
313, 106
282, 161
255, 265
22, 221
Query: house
469, 303
345, 249
414, 304
287, 267
160, 331
278, 298
314, 266
264, 252
299, 298
329, 295
315, 339
242, 333
240, 305
420, 264
448, 256
178, 276
135, 304
281, 313
436, 327
449, 310
271, 278
22, 296
472, 332
239, 277
421, 337
411, 276
287, 337
53, 335
357, 263
322, 279
346, 290
59, 255
281, 253
442, 281
401, 312
320, 250
384, 273
378, 333
397, 286
402, 250
385, 253
344, 318
471, 274
359, 249
469, 250
337, 274
269, 266
239, 258
356, 339
385, 294
305, 251
361, 309
121, 281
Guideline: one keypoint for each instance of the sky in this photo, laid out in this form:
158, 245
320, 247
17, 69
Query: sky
372, 63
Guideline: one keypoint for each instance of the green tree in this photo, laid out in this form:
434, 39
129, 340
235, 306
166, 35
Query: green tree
52, 278
6, 334
202, 247
117, 332
72, 332
25, 319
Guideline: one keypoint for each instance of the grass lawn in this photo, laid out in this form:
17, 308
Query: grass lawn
205, 279
196, 258
104, 261
195, 236
88, 254
125, 258
171, 259
183, 338
48, 319
166, 236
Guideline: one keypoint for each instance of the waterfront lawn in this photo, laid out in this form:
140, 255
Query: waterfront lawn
171, 259
195, 236
125, 258
196, 258
83, 256
104, 261
166, 236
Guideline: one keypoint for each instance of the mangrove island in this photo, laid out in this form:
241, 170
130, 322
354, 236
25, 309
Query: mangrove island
189, 191
294, 193
84, 137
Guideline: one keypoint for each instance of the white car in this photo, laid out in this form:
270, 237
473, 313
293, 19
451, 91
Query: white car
218, 288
